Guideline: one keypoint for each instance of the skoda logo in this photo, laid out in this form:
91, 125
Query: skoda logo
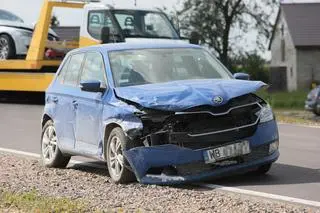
217, 99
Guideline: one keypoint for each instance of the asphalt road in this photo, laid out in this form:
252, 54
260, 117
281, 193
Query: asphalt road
295, 174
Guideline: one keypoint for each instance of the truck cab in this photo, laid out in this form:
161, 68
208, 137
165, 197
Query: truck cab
107, 24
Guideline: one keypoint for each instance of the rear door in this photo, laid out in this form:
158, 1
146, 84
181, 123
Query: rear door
66, 89
89, 106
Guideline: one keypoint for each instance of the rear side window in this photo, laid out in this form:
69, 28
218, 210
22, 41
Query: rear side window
72, 74
93, 68
63, 70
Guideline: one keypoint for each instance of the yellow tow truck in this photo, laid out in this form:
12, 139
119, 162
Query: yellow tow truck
102, 23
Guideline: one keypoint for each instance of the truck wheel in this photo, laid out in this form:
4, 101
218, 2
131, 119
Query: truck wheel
51, 156
117, 164
7, 48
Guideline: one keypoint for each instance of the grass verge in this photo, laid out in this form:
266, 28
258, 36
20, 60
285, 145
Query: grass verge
285, 100
297, 117
33, 202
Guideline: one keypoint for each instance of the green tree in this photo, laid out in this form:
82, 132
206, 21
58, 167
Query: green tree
254, 65
54, 21
214, 20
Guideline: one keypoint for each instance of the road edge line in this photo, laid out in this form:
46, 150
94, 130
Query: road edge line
262, 194
14, 151
34, 155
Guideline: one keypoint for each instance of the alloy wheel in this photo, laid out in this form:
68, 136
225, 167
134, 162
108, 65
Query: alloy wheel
49, 144
4, 49
115, 156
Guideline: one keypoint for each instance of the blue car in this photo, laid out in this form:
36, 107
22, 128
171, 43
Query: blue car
313, 101
158, 113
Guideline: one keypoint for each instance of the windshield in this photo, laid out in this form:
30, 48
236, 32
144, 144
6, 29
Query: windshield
147, 66
7, 16
139, 23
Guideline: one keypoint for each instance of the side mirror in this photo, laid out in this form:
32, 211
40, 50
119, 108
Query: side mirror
194, 38
105, 35
241, 76
91, 86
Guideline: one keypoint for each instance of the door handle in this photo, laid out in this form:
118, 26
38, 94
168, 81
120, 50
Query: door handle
55, 99
75, 104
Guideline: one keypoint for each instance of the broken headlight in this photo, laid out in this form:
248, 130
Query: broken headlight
265, 114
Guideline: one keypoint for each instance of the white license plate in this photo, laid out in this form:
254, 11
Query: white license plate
225, 152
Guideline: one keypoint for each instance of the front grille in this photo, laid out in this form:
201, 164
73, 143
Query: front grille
207, 141
203, 121
207, 126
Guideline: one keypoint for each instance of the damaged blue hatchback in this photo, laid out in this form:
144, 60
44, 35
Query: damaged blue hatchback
159, 113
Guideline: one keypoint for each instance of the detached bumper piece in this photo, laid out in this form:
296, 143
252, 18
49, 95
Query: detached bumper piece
172, 164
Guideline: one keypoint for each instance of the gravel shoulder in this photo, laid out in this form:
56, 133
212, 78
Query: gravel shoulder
297, 117
93, 186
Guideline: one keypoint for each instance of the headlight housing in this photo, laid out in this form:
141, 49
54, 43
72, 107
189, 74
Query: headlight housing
265, 114
26, 33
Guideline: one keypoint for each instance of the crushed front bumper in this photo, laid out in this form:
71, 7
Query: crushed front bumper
141, 159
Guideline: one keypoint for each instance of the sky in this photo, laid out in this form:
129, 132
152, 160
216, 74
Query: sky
29, 11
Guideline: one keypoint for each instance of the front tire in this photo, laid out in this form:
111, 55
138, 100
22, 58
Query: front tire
7, 48
117, 164
51, 156
263, 169
316, 110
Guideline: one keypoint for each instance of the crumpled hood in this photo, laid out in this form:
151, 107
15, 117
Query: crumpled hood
181, 95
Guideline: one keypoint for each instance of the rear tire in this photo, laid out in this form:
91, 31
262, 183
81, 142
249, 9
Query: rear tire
7, 47
316, 110
117, 164
51, 156
263, 169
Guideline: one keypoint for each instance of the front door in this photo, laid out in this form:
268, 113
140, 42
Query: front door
89, 106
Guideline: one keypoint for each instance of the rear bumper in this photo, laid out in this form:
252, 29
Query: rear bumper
141, 159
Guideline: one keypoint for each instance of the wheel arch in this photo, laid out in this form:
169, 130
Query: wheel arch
107, 130
45, 118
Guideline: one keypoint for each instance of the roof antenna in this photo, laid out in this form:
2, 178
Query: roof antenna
135, 3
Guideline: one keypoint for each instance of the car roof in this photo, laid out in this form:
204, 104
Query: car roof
132, 46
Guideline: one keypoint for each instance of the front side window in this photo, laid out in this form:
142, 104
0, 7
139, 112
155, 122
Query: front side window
147, 66
96, 21
74, 67
93, 68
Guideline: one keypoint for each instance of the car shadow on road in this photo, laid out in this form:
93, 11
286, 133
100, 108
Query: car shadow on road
30, 98
94, 167
280, 174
